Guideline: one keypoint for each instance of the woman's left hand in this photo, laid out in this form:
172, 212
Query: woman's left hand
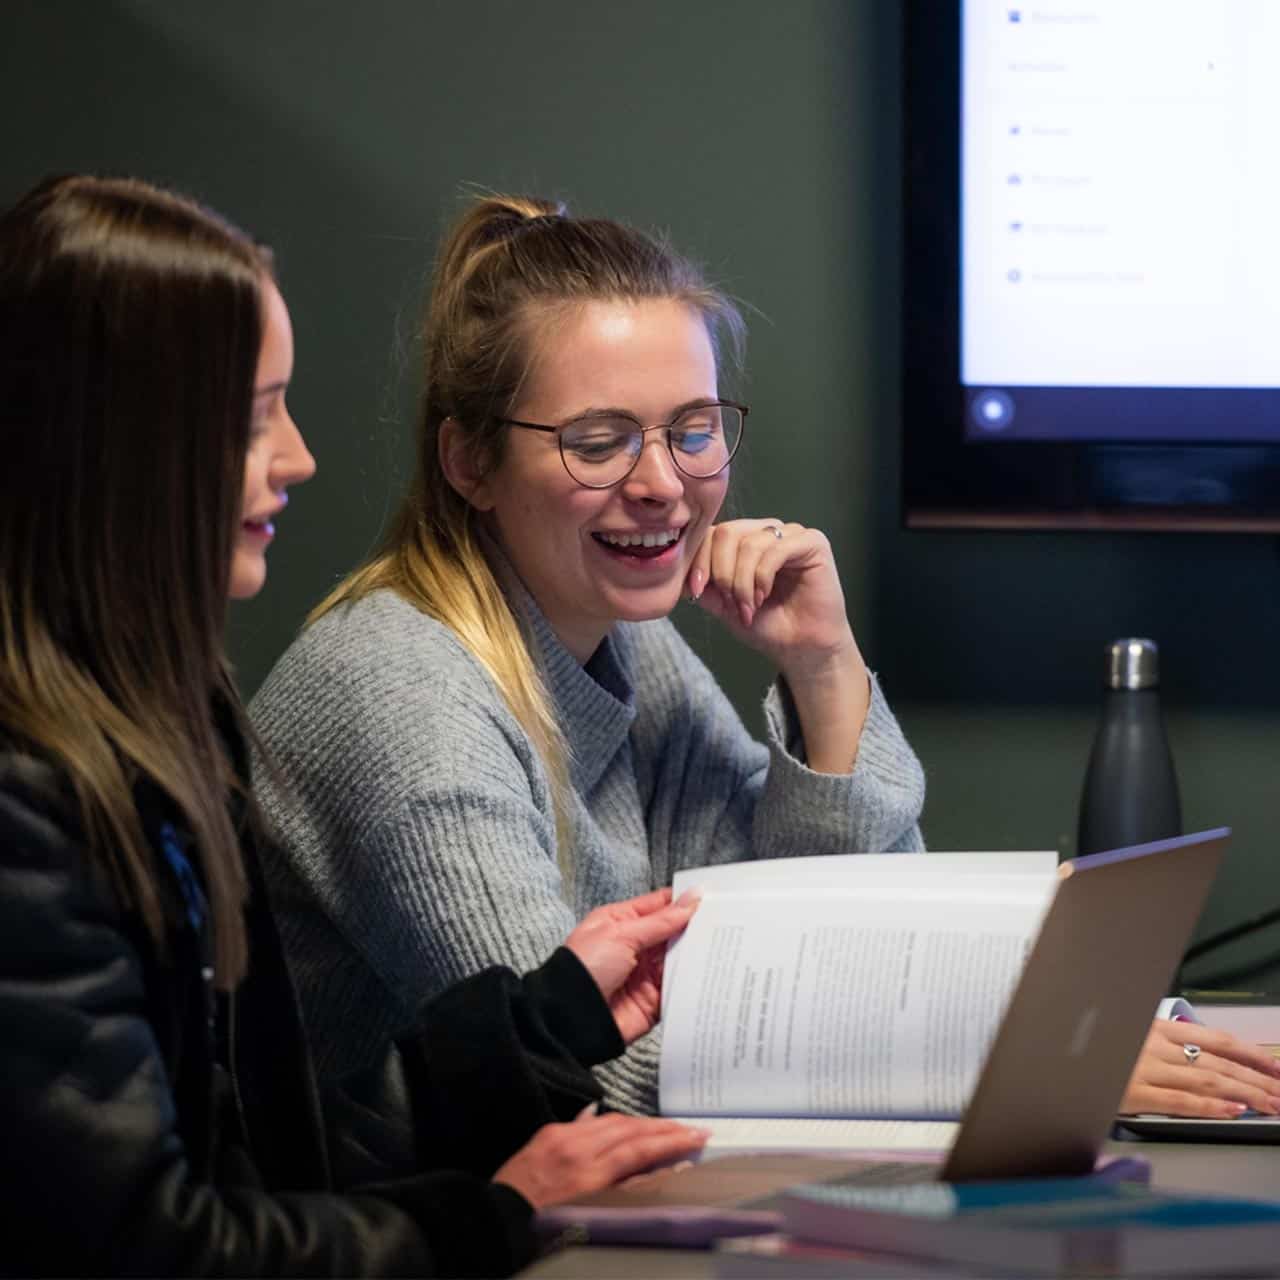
623, 945
775, 585
1222, 1080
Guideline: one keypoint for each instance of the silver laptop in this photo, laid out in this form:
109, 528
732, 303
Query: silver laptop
1252, 1126
1109, 945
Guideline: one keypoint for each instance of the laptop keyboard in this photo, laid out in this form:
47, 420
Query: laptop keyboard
887, 1173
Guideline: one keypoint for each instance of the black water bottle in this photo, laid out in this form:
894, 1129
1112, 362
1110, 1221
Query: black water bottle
1130, 787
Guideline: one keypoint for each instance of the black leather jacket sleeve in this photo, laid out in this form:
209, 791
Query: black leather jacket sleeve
95, 1178
466, 1089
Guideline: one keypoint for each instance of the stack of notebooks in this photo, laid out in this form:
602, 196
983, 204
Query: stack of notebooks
838, 1224
1048, 1227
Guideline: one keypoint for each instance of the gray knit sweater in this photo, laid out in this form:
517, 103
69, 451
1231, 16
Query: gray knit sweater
416, 823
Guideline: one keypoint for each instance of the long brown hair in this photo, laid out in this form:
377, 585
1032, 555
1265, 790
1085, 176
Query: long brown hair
130, 324
508, 270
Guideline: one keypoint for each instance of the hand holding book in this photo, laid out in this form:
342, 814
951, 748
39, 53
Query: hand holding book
623, 946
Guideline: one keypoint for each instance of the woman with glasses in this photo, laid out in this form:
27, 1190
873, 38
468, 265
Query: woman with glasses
491, 727
159, 1110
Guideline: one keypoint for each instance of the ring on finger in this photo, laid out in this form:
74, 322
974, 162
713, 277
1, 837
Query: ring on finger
773, 529
1191, 1052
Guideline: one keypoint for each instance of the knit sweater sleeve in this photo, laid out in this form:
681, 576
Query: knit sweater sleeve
420, 832
716, 794
711, 793
414, 819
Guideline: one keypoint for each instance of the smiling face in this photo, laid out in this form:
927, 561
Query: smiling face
277, 456
581, 552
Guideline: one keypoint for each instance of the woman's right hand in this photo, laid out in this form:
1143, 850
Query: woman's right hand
563, 1162
622, 945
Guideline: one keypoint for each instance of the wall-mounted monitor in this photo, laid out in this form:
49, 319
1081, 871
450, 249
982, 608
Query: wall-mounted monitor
1092, 264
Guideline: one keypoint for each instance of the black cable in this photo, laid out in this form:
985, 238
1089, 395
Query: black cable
1216, 940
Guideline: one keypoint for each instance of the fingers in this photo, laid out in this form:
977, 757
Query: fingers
1224, 1045
747, 570
745, 556
636, 1007
625, 909
1222, 1056
700, 567
648, 931
645, 985
624, 957
611, 944
656, 1175
1140, 1099
1213, 1078
713, 565
615, 919
642, 922
1213, 1084
632, 1144
562, 1162
592, 1136
646, 903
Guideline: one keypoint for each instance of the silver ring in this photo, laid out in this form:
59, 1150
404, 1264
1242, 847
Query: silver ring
1191, 1052
773, 529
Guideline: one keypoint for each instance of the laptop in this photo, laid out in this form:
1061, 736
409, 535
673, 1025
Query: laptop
1109, 945
1046, 1097
1110, 942
1252, 1126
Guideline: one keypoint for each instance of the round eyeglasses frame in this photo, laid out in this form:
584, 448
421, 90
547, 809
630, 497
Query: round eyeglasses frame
657, 426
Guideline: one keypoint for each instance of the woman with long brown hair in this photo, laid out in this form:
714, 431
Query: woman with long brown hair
159, 1110
492, 727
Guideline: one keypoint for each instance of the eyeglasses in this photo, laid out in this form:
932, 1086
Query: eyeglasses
600, 450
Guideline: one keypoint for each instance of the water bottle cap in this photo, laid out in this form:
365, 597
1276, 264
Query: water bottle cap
1133, 664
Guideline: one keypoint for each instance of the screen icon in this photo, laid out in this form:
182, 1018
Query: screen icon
991, 411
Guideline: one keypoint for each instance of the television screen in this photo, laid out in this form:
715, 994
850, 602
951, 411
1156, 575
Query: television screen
1093, 264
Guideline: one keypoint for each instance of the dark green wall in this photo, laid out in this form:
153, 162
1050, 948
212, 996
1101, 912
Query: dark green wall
765, 137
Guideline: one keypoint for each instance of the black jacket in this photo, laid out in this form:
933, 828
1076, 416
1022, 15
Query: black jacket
147, 1126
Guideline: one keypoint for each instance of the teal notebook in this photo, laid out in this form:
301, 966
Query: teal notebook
1061, 1226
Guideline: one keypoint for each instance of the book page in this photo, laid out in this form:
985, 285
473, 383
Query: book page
832, 1005
991, 877
856, 870
737, 1135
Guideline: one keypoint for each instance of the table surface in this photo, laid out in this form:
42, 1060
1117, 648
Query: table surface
1235, 1169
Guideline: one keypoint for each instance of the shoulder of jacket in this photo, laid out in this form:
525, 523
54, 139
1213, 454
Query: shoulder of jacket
40, 823
33, 784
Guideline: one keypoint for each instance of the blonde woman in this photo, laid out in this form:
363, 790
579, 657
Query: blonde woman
492, 728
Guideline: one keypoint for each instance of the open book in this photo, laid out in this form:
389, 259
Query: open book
844, 1003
